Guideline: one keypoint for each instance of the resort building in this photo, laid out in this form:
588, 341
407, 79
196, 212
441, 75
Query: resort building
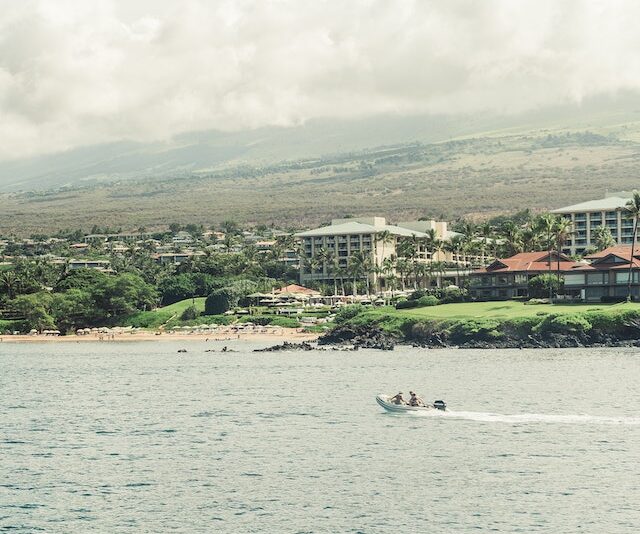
587, 216
509, 277
370, 239
606, 276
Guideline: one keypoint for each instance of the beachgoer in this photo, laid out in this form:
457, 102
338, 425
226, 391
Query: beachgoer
397, 399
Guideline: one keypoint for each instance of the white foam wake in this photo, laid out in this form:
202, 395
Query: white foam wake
487, 417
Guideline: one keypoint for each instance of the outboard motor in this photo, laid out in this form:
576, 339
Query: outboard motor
440, 405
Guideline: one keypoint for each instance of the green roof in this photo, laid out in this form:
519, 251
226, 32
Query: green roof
603, 204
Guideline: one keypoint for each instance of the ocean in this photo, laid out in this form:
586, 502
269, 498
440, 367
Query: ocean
135, 437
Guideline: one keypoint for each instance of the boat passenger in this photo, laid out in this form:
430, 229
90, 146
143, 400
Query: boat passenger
397, 399
415, 400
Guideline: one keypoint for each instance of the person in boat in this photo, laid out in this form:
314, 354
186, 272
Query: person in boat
398, 399
415, 400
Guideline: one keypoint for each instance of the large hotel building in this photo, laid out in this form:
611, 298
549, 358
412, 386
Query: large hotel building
344, 237
587, 216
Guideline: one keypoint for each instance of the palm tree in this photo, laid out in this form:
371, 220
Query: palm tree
512, 235
322, 255
602, 238
362, 265
385, 237
402, 266
10, 282
311, 264
388, 269
563, 230
546, 225
485, 230
632, 211
333, 265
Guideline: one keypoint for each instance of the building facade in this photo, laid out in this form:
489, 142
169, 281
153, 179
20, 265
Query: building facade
508, 278
606, 276
587, 216
369, 237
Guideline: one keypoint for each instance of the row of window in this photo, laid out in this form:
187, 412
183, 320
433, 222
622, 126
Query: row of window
598, 279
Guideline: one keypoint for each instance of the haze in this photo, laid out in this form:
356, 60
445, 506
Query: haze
81, 73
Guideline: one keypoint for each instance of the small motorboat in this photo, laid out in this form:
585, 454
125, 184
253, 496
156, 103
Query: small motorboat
385, 402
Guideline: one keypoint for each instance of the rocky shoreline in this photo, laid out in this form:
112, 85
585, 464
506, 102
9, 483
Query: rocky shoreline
375, 338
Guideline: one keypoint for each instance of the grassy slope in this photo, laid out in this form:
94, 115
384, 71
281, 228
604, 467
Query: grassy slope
503, 310
156, 318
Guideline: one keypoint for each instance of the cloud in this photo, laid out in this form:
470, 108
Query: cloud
82, 72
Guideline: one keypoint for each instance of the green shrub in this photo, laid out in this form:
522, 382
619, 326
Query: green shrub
406, 304
564, 324
455, 294
417, 294
539, 285
190, 313
520, 327
477, 329
346, 313
220, 301
428, 300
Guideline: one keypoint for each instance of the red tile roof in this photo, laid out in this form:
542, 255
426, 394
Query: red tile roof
623, 251
530, 261
295, 288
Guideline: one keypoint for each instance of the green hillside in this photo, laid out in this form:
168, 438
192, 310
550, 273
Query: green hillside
476, 177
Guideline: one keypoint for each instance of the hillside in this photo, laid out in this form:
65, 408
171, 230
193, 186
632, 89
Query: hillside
476, 177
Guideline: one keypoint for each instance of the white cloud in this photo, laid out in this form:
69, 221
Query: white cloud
82, 72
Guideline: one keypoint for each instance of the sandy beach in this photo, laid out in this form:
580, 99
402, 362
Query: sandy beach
275, 336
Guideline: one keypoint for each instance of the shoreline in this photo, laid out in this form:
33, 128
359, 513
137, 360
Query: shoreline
277, 337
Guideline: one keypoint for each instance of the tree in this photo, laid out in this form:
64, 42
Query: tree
632, 211
543, 284
34, 309
563, 229
546, 225
602, 238
189, 314
220, 301
9, 283
384, 238
512, 236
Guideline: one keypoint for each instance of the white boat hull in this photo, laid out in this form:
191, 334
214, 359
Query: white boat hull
383, 400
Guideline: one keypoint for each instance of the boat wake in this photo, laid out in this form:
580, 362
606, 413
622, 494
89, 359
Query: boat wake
487, 417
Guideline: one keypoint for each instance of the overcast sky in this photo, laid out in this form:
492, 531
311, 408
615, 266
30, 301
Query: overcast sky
81, 72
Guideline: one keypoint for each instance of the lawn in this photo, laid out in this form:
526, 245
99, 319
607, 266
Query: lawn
159, 316
504, 309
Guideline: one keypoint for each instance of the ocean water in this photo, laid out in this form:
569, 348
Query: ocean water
134, 437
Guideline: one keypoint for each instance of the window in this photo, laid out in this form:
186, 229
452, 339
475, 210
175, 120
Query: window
597, 279
574, 279
622, 277
593, 293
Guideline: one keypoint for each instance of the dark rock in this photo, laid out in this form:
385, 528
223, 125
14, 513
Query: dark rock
287, 346
364, 337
